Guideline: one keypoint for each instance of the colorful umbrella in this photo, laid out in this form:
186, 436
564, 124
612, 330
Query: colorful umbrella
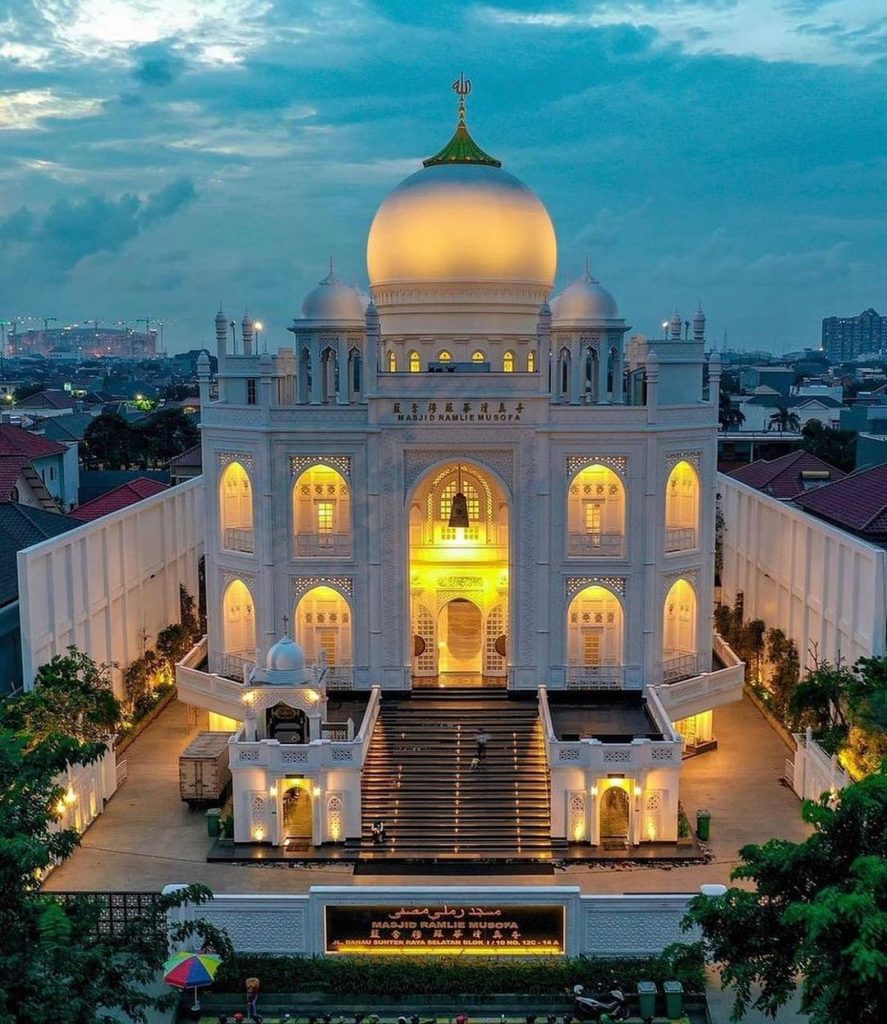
191, 970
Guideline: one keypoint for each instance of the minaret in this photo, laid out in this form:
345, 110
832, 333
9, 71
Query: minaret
247, 331
543, 346
674, 326
373, 346
221, 333
699, 325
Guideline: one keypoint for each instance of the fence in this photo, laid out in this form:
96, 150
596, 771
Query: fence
813, 772
117, 910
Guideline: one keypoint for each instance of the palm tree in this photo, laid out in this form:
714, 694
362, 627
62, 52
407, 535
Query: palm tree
782, 420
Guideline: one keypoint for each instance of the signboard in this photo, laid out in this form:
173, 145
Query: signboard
455, 411
481, 930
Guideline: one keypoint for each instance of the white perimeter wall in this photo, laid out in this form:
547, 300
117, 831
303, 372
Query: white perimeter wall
595, 925
107, 584
817, 583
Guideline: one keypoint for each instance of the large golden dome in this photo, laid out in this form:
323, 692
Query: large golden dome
462, 219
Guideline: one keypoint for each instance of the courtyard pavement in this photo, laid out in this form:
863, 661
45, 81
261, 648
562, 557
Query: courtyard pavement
148, 838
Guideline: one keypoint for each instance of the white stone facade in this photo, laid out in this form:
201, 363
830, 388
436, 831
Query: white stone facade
824, 587
109, 586
334, 468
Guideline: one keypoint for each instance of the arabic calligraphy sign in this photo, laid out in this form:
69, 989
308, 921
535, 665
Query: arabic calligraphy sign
482, 930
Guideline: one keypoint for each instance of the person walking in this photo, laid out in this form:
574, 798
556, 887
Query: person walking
482, 739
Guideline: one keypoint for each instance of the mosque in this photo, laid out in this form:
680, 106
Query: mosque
458, 505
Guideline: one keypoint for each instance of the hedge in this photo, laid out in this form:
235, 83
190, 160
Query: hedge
454, 975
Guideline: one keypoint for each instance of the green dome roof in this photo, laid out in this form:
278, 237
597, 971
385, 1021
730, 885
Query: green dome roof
462, 149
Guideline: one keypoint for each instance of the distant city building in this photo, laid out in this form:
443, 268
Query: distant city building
779, 378
846, 337
75, 342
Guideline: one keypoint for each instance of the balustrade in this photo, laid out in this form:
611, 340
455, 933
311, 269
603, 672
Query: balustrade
238, 539
595, 677
596, 545
323, 545
680, 539
679, 666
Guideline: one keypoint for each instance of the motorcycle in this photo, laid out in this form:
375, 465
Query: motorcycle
604, 1004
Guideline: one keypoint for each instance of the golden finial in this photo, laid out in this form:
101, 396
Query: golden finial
462, 87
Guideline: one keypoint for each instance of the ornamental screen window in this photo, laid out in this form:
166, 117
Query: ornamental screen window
392, 362
478, 357
446, 503
251, 391
325, 513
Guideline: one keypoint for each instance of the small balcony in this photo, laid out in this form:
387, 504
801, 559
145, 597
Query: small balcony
677, 665
719, 682
595, 677
680, 539
238, 539
596, 545
323, 545
238, 664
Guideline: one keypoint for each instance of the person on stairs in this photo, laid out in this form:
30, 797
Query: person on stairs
482, 739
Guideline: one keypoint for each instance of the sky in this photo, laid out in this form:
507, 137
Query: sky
158, 156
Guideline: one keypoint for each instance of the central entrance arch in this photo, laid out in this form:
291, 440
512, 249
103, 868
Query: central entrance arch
459, 577
460, 628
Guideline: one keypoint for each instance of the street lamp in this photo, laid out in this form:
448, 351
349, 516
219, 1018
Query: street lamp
259, 326
665, 330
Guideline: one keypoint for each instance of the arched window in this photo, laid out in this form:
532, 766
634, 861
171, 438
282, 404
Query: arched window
322, 513
682, 508
594, 639
478, 357
447, 493
444, 357
392, 362
531, 361
508, 362
596, 514
415, 362
236, 508
238, 629
679, 633
323, 628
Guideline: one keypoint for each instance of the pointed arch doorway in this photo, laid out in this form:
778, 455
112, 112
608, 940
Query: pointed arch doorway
459, 578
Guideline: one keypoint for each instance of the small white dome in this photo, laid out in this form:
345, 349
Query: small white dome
584, 299
332, 299
285, 656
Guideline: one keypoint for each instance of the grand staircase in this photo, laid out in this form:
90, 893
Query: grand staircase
418, 779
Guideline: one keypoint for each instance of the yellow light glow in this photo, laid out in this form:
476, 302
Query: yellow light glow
259, 325
272, 791
70, 796
249, 697
60, 808
637, 791
259, 834
312, 696
578, 832
316, 791
462, 224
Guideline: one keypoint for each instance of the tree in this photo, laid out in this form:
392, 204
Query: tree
836, 447
72, 696
815, 917
55, 963
166, 434
783, 420
785, 669
109, 442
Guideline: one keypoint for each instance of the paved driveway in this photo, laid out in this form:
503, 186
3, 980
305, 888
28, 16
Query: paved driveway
148, 838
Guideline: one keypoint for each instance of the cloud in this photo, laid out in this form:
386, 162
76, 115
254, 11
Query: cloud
69, 231
158, 65
27, 109
826, 32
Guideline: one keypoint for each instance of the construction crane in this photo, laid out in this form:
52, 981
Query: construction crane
47, 320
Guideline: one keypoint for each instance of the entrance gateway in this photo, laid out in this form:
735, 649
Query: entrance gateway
467, 505
545, 920
459, 578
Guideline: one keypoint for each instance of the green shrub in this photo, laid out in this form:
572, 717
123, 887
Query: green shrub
452, 975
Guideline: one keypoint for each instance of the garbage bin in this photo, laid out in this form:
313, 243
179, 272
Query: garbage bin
646, 998
212, 821
703, 824
674, 999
